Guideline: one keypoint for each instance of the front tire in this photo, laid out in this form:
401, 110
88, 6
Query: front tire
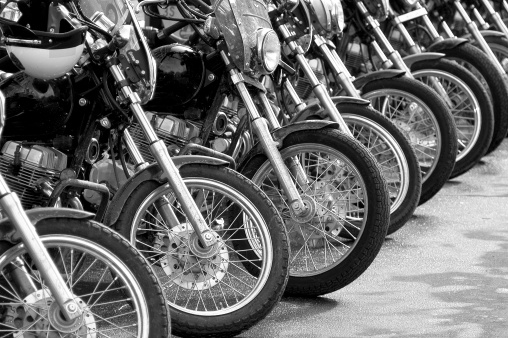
394, 154
228, 289
482, 66
111, 280
425, 120
470, 105
343, 180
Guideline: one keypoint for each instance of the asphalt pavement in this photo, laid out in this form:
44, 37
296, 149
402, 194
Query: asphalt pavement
444, 274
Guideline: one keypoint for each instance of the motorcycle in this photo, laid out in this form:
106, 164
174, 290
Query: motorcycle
64, 274
468, 100
328, 188
466, 20
215, 234
389, 146
417, 110
421, 28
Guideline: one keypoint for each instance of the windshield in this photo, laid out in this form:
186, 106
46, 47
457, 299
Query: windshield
239, 20
135, 56
114, 10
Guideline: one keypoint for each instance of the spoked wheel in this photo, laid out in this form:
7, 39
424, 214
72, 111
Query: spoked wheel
219, 290
112, 283
393, 153
470, 105
484, 69
341, 183
425, 120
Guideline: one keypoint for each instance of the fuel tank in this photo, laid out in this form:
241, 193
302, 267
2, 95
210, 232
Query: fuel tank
180, 76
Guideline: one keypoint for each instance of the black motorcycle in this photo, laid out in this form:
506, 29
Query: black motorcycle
216, 242
327, 186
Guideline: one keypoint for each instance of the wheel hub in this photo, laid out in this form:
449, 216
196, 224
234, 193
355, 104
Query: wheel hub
189, 264
40, 317
329, 212
423, 142
310, 212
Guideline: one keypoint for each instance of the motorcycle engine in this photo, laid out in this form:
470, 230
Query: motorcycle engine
25, 167
175, 133
303, 87
357, 56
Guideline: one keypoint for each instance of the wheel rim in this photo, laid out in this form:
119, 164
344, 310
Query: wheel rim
476, 73
463, 105
388, 154
223, 281
325, 241
415, 119
108, 293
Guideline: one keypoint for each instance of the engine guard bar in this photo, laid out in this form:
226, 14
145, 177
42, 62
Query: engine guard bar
73, 182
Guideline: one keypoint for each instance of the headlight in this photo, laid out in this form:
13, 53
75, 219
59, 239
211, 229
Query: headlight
327, 16
377, 8
268, 49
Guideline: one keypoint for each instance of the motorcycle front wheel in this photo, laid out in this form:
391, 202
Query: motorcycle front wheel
425, 120
483, 67
220, 290
470, 105
114, 285
395, 156
350, 199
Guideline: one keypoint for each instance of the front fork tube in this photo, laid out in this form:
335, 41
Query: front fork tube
269, 146
318, 88
475, 32
333, 60
495, 17
11, 205
430, 26
170, 171
292, 163
393, 55
415, 49
478, 17
162, 204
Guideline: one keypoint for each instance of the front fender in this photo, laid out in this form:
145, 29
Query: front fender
362, 80
411, 59
150, 173
314, 108
446, 44
484, 33
281, 133
8, 231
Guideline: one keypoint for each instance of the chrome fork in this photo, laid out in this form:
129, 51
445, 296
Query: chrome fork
11, 205
394, 55
260, 126
318, 88
327, 49
170, 171
495, 17
475, 32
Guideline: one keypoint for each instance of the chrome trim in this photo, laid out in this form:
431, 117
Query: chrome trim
412, 15
2, 111
31, 42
